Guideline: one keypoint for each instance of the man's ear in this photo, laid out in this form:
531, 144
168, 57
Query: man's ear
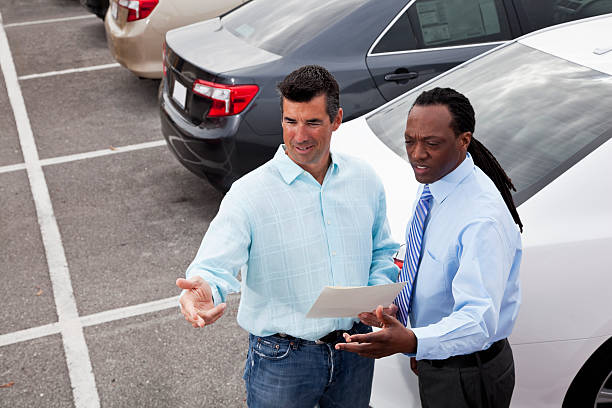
464, 140
338, 120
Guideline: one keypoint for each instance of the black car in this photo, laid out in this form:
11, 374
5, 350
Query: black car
218, 101
98, 7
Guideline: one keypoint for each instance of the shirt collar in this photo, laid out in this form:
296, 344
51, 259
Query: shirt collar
442, 188
290, 170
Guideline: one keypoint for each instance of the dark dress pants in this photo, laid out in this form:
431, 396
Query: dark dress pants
464, 382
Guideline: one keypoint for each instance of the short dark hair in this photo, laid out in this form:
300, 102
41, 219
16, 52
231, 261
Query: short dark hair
310, 81
463, 120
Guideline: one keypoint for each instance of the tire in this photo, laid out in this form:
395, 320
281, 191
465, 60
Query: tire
592, 386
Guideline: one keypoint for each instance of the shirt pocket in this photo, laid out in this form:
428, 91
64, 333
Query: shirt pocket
432, 280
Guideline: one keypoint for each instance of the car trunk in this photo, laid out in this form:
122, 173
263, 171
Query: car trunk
205, 51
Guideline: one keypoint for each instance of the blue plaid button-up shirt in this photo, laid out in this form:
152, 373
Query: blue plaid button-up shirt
295, 237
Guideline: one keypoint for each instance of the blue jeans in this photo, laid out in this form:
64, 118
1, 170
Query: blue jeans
297, 373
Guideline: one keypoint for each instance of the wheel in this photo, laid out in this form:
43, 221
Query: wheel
604, 396
592, 386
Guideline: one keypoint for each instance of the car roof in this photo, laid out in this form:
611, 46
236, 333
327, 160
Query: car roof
586, 42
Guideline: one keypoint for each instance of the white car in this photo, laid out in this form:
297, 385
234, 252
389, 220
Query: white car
543, 106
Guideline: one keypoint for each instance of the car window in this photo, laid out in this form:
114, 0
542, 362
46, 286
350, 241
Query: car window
399, 37
279, 26
439, 23
537, 113
540, 14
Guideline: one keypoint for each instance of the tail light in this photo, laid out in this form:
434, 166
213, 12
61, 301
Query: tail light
227, 100
164, 56
399, 256
138, 9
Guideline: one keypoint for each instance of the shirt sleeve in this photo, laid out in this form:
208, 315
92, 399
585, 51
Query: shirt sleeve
382, 269
485, 261
224, 249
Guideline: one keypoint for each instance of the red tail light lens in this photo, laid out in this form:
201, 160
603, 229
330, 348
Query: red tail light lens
227, 100
399, 256
138, 9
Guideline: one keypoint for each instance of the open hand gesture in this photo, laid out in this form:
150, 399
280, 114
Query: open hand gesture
197, 303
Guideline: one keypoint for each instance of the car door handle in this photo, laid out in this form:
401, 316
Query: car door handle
402, 76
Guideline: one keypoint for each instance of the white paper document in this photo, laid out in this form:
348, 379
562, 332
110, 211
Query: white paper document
336, 301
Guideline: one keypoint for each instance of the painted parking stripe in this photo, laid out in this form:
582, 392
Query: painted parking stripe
87, 155
51, 20
130, 311
90, 320
12, 167
69, 71
103, 152
29, 334
81, 375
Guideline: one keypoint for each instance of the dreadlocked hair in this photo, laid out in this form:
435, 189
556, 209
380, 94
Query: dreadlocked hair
463, 120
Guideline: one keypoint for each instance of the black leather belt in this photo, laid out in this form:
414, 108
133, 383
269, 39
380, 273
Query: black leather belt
471, 360
329, 338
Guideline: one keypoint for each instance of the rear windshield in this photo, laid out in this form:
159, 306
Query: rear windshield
540, 14
280, 26
538, 114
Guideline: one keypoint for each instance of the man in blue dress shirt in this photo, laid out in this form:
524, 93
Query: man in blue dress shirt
306, 219
466, 295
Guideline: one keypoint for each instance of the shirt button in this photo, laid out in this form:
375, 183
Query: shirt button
328, 222
334, 253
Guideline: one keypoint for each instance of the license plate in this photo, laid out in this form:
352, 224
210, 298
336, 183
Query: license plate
114, 9
179, 94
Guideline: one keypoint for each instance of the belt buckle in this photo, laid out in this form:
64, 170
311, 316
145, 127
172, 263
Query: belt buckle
319, 342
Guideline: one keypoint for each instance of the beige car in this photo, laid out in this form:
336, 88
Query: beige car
135, 29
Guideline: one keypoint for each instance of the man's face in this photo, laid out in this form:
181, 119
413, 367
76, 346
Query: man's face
432, 146
307, 133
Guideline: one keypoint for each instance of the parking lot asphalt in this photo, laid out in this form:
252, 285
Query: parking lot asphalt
10, 151
97, 220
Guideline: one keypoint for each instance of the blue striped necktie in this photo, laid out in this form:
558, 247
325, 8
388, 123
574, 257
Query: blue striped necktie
413, 254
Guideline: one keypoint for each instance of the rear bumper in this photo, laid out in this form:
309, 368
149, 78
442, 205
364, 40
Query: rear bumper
208, 150
137, 46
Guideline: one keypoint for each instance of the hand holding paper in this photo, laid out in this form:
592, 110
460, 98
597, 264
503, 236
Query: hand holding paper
393, 338
371, 319
350, 301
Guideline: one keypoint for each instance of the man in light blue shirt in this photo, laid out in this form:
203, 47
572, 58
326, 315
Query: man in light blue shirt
306, 219
466, 295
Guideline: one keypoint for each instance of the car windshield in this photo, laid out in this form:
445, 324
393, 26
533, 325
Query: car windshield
538, 114
279, 26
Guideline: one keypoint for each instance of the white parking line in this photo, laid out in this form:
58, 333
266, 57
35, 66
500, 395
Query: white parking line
81, 375
87, 155
69, 71
104, 152
90, 320
130, 311
29, 334
51, 20
12, 167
